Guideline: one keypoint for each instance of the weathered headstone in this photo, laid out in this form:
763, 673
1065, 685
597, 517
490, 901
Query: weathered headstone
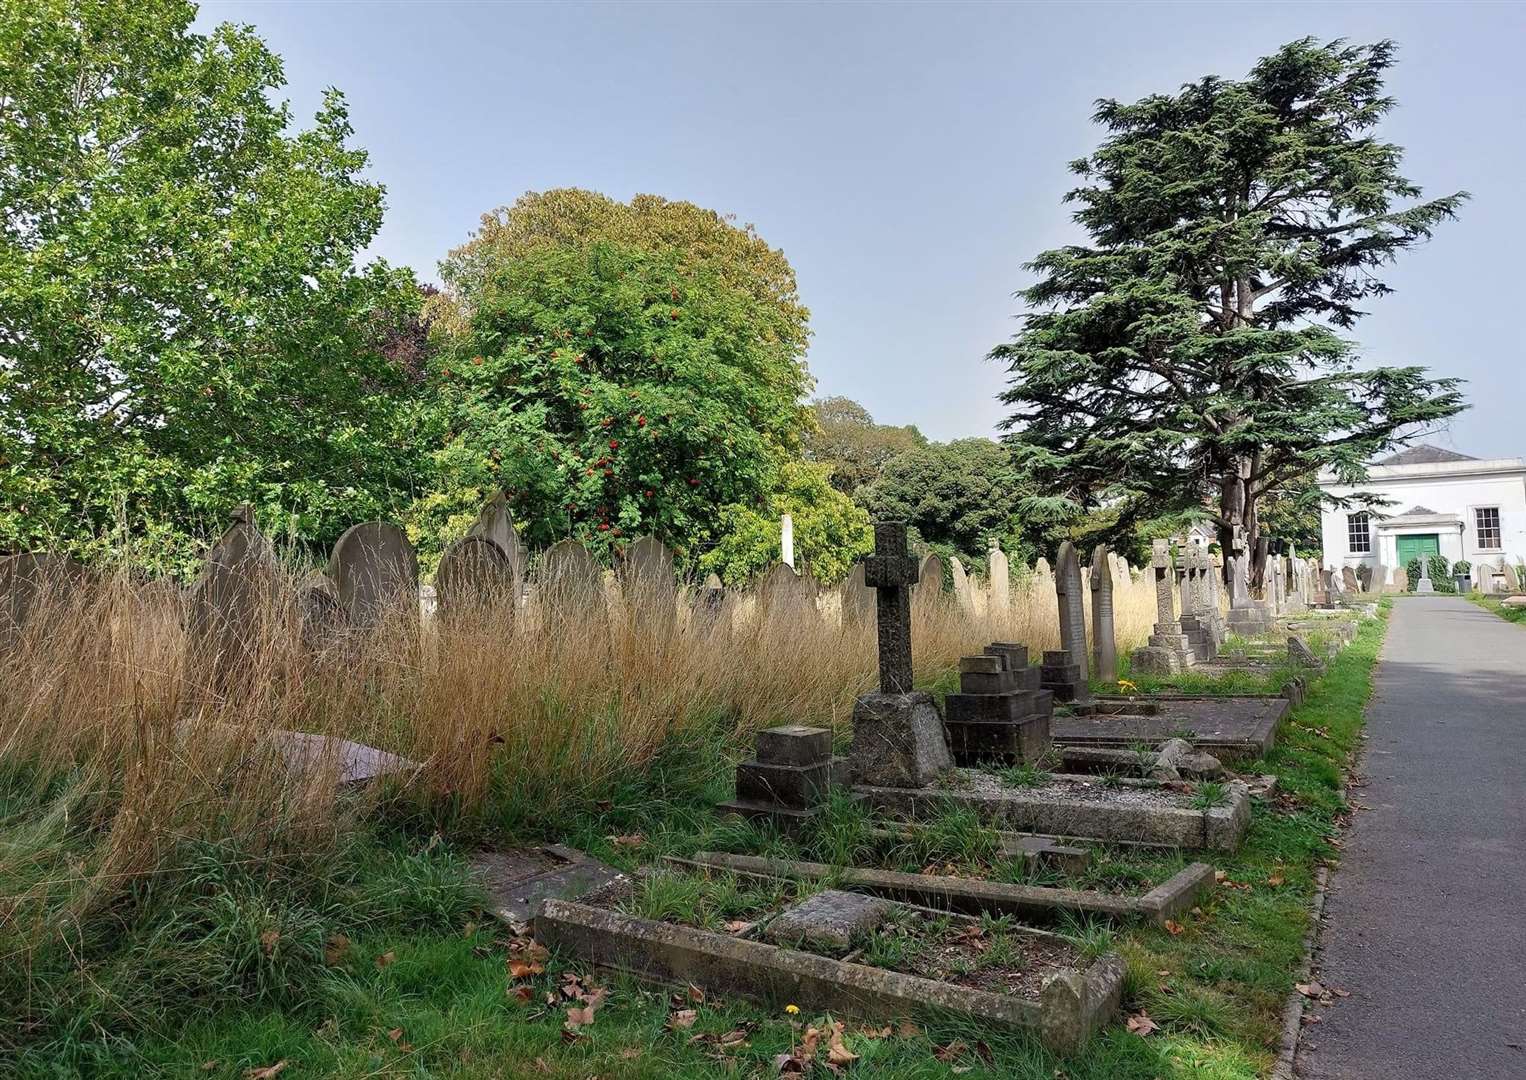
898, 738
1000, 583
375, 572
570, 575
475, 577
1168, 650
788, 778
857, 598
1510, 574
1300, 655
37, 585
647, 581
1424, 585
324, 618
1349, 581
785, 598
496, 524
1072, 607
234, 601
929, 589
964, 593
1104, 635
1041, 570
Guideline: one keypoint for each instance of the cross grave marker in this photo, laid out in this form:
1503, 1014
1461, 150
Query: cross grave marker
891, 572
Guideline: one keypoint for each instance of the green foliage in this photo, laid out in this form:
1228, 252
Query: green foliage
847, 439
956, 495
831, 532
185, 325
1189, 351
609, 391
1462, 568
1438, 567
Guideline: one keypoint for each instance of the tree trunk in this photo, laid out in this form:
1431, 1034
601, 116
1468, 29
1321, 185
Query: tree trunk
1237, 513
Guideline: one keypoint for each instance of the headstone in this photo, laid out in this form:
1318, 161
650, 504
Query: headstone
1199, 620
788, 778
1072, 607
37, 585
496, 524
1041, 569
785, 597
929, 590
999, 580
964, 593
647, 580
475, 577
1000, 714
324, 618
857, 598
1511, 576
709, 601
233, 602
1168, 632
1485, 574
1300, 655
1349, 582
1104, 635
1424, 585
375, 572
570, 576
898, 738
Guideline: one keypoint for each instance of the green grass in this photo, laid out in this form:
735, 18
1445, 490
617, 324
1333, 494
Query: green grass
1492, 603
185, 980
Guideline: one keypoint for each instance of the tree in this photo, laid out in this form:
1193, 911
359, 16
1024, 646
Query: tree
182, 324
957, 495
1190, 352
847, 439
831, 531
610, 391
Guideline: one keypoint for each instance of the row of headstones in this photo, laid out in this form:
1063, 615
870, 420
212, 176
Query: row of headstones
1379, 578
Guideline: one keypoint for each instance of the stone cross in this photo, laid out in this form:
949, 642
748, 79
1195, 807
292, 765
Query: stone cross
1104, 637
1160, 562
891, 572
1067, 589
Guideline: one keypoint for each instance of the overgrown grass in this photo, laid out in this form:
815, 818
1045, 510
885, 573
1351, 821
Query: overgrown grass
144, 935
1492, 603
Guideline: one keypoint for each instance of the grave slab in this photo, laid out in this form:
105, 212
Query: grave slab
518, 879
831, 920
1230, 728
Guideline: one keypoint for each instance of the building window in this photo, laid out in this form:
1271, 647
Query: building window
1359, 533
1487, 518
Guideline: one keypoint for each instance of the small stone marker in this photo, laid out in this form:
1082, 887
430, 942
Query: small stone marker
898, 738
1061, 676
376, 572
1072, 608
1300, 655
517, 880
1104, 635
788, 778
830, 921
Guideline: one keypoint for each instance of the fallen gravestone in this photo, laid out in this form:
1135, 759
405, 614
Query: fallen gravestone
519, 879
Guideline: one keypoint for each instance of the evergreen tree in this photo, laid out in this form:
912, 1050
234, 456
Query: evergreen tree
1191, 351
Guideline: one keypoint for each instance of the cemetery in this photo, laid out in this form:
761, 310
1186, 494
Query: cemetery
516, 667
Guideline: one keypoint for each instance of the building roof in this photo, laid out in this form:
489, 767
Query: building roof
1424, 454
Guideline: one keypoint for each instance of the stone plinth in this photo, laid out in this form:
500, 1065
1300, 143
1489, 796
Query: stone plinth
789, 778
898, 740
1154, 660
1062, 676
998, 715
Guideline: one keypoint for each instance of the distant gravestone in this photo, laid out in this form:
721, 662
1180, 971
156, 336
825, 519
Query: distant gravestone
964, 592
1239, 581
1485, 582
1424, 585
570, 576
475, 576
324, 618
786, 598
36, 586
496, 524
233, 602
375, 572
1349, 580
1072, 606
998, 576
1104, 635
1508, 572
857, 598
929, 586
1041, 569
647, 581
709, 602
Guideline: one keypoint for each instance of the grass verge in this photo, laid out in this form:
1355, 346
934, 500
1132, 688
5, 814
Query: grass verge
1492, 603
374, 961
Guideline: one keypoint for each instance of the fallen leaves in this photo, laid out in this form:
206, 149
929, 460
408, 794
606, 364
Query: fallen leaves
1315, 991
738, 926
1174, 928
335, 949
386, 959
631, 840
266, 1072
1140, 1024
268, 941
682, 1020
396, 1035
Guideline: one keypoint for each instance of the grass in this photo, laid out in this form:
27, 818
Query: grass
172, 904
1492, 603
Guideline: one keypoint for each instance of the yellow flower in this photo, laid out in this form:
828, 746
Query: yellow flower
792, 1009
1124, 684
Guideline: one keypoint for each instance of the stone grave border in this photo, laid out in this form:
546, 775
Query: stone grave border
1219, 828
1072, 1006
971, 896
1227, 750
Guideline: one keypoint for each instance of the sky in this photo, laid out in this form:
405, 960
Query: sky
907, 158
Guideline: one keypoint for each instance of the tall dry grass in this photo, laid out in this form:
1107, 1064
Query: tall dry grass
136, 745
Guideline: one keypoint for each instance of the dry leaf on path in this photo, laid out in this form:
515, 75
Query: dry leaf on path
1174, 928
1141, 1024
267, 1072
386, 959
682, 1019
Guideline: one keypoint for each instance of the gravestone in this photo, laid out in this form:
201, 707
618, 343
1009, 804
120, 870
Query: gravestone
647, 581
1511, 576
898, 738
1000, 714
1349, 582
1424, 585
1061, 676
1168, 650
1000, 583
1485, 582
964, 593
324, 619
376, 572
1041, 570
496, 524
475, 576
570, 575
785, 598
1300, 655
1104, 634
234, 601
929, 588
857, 598
832, 921
38, 585
788, 778
1072, 608
709, 603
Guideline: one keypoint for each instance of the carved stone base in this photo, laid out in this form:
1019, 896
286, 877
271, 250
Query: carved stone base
898, 741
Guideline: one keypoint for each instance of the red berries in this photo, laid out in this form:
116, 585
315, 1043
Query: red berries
604, 526
648, 493
614, 444
477, 360
693, 482
641, 421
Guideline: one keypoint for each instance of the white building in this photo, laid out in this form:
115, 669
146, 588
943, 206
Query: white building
1441, 502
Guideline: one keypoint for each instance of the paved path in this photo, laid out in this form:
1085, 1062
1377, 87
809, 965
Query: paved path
1425, 924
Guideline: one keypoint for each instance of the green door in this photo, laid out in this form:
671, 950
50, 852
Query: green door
1414, 547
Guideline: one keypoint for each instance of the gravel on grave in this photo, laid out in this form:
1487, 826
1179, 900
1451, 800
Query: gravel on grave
1064, 788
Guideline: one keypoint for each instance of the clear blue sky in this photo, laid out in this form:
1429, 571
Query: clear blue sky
907, 158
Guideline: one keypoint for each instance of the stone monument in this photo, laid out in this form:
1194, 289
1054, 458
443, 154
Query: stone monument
1000, 714
1104, 635
898, 737
1168, 651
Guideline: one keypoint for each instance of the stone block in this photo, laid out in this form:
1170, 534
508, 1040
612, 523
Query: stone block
1008, 708
797, 787
830, 921
985, 664
1155, 660
794, 744
987, 682
898, 740
976, 743
1016, 655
